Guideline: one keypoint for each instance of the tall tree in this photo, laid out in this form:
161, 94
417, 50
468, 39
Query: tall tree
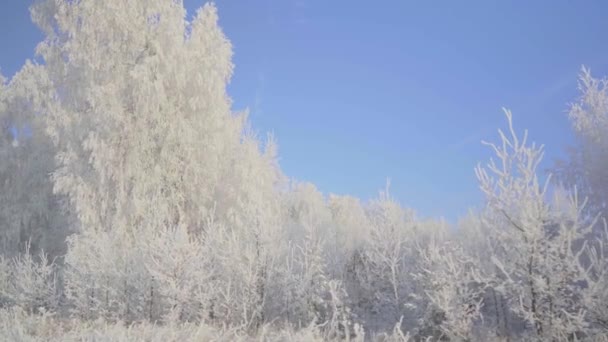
148, 147
587, 165
141, 117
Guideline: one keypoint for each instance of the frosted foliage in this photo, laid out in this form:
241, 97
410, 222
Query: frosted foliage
587, 165
590, 114
351, 232
104, 277
541, 255
454, 287
29, 210
135, 205
352, 229
148, 145
140, 115
179, 270
29, 282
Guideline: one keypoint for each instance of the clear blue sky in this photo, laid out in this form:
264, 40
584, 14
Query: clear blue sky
358, 91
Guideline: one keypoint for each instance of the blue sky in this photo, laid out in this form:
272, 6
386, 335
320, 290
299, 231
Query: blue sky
358, 91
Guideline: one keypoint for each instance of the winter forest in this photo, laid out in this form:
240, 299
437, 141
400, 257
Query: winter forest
137, 206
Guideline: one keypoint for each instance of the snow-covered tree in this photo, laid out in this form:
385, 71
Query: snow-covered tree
148, 145
378, 274
140, 113
314, 292
351, 231
473, 236
181, 275
454, 288
539, 249
595, 295
29, 213
105, 276
29, 281
587, 163
307, 257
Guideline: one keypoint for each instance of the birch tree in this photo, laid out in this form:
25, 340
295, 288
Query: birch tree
140, 113
539, 249
147, 144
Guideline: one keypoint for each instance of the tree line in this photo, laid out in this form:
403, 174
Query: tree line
136, 205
